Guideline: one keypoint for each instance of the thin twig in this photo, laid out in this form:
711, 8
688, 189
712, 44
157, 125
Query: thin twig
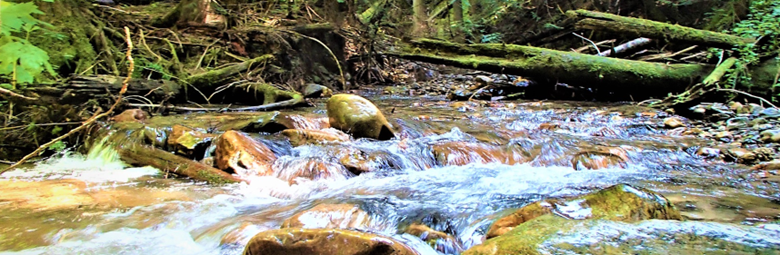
343, 80
747, 94
94, 117
16, 95
591, 42
143, 41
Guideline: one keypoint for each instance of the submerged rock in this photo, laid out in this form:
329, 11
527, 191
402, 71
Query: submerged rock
240, 153
617, 203
600, 158
323, 242
359, 117
463, 153
294, 169
440, 241
332, 216
300, 137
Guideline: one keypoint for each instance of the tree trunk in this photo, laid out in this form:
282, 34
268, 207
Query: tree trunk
420, 27
457, 20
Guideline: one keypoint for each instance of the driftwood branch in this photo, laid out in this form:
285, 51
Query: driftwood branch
633, 44
13, 94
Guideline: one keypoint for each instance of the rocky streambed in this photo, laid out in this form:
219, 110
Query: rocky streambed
413, 175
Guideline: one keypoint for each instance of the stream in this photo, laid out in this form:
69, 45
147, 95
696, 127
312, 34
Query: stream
95, 204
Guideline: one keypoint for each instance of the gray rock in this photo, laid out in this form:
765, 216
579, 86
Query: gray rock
736, 123
770, 136
771, 113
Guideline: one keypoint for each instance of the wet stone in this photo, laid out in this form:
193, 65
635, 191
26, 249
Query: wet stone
332, 216
440, 241
673, 122
772, 135
359, 117
518, 232
736, 123
741, 155
243, 155
323, 242
771, 113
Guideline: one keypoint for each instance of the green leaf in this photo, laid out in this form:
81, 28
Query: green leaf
15, 15
58, 146
56, 130
6, 86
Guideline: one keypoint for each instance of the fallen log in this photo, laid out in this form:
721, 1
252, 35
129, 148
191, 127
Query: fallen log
653, 29
216, 77
143, 155
80, 89
618, 75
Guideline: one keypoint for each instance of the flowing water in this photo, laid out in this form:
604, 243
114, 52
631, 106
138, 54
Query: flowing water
102, 206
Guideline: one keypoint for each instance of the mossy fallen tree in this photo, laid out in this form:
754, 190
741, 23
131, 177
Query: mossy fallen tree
215, 77
618, 75
80, 89
653, 29
142, 155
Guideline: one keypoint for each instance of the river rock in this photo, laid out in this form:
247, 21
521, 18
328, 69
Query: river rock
736, 106
463, 153
313, 90
673, 122
440, 241
740, 155
771, 113
359, 117
300, 137
289, 241
332, 216
707, 152
764, 154
131, 115
770, 136
755, 109
295, 169
724, 136
243, 155
617, 203
737, 123
185, 139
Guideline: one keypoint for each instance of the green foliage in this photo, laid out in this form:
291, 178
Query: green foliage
20, 60
762, 23
58, 146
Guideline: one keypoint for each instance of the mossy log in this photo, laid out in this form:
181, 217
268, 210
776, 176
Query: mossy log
215, 77
142, 155
612, 74
653, 29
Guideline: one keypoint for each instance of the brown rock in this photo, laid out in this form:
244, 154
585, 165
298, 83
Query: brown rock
708, 152
289, 241
527, 213
240, 235
740, 155
331, 216
549, 126
463, 153
673, 122
240, 153
131, 115
300, 137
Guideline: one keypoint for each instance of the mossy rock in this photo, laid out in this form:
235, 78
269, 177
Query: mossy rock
359, 117
323, 242
300, 137
522, 231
